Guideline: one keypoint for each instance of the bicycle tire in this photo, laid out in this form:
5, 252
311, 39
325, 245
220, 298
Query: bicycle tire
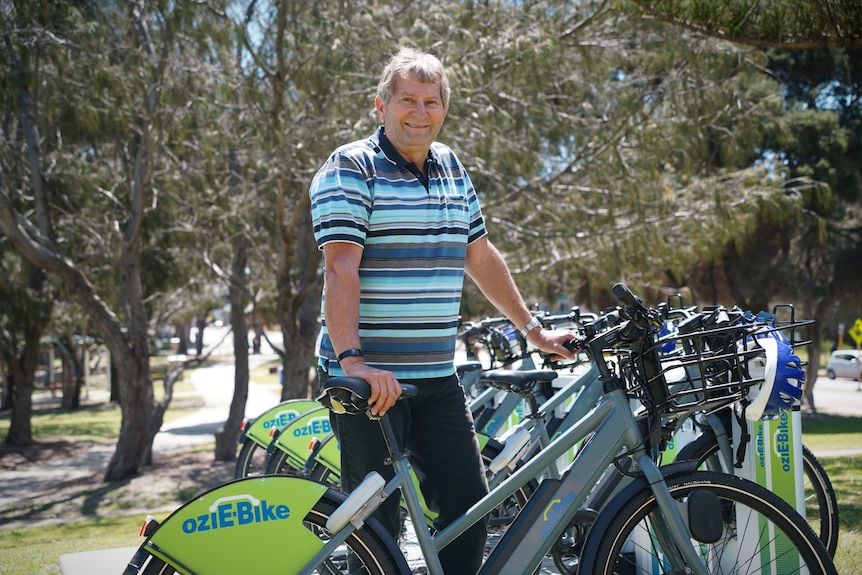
251, 460
817, 487
625, 520
277, 464
368, 550
156, 566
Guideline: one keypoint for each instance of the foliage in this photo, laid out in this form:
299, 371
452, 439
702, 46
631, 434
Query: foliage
606, 145
779, 24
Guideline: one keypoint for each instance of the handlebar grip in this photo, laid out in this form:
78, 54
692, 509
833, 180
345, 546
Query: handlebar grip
625, 295
574, 344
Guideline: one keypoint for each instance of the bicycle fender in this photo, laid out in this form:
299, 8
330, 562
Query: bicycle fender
294, 439
208, 533
329, 454
277, 417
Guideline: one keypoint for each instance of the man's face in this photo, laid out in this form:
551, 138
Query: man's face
413, 117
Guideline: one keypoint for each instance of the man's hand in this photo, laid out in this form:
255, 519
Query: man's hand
385, 388
552, 341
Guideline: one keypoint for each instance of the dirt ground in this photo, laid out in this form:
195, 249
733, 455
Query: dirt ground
171, 480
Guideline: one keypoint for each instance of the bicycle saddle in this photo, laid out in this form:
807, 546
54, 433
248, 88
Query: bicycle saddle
516, 380
343, 394
467, 367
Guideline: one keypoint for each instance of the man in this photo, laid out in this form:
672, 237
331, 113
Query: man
399, 224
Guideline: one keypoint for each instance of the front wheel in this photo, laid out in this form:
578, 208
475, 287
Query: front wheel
758, 531
821, 502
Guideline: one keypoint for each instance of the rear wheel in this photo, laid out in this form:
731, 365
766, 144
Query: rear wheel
278, 464
368, 551
251, 460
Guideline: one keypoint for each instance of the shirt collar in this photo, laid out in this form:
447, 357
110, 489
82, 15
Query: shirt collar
391, 153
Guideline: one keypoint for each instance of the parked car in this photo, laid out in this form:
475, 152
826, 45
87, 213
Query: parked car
843, 363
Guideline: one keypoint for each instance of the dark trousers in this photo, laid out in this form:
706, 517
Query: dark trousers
436, 427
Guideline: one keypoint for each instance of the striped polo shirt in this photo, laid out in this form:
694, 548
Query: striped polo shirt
414, 234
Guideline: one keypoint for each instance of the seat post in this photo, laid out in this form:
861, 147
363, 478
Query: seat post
395, 450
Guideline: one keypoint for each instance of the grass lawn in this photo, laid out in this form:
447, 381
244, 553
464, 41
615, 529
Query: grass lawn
846, 476
37, 550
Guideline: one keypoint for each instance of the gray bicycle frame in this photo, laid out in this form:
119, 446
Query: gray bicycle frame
585, 388
616, 432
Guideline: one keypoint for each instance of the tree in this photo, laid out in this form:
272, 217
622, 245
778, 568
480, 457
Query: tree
822, 141
117, 146
605, 145
309, 91
776, 24
818, 142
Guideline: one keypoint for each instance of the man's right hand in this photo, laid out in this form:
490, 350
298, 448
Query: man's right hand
385, 388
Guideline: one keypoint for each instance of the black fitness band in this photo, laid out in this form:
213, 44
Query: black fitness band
349, 353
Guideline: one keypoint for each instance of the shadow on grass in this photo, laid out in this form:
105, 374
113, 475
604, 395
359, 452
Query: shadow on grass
85, 502
831, 424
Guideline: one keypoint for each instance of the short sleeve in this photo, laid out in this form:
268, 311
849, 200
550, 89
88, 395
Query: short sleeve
341, 201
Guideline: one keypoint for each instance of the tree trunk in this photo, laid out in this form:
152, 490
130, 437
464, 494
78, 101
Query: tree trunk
199, 339
298, 306
181, 331
226, 437
4, 384
140, 421
23, 384
300, 337
24, 366
814, 349
73, 372
114, 380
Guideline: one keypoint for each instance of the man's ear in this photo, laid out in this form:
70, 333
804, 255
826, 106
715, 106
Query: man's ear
379, 106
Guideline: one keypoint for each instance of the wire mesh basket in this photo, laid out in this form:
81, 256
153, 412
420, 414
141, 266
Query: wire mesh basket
505, 343
704, 371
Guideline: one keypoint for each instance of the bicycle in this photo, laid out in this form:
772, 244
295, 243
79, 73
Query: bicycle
328, 527
540, 423
256, 434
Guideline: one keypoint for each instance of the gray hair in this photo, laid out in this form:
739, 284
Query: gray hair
412, 64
